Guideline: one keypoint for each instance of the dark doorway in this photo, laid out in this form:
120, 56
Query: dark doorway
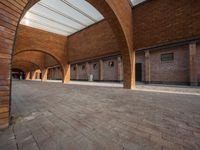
138, 73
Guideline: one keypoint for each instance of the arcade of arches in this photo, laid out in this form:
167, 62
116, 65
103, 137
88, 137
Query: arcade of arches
152, 34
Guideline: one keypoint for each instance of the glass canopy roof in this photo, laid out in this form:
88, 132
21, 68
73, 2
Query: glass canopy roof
63, 17
136, 2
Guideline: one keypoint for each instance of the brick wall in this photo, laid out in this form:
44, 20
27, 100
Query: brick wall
50, 61
34, 39
54, 73
94, 70
82, 73
165, 21
10, 14
176, 71
110, 73
73, 72
97, 40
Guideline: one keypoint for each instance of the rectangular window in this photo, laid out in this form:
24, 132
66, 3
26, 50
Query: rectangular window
167, 57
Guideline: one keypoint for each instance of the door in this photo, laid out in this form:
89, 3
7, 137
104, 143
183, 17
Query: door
138, 72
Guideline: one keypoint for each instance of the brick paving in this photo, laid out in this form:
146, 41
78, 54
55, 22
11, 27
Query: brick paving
50, 116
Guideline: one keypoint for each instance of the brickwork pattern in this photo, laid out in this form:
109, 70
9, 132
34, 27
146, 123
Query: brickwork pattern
97, 40
158, 22
94, 70
10, 14
82, 72
73, 72
170, 71
110, 73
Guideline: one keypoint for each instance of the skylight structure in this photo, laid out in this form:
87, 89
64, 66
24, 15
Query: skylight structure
63, 17
136, 2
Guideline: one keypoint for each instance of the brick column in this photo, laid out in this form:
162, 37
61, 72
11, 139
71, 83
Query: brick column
44, 74
37, 75
7, 31
27, 76
33, 75
193, 64
101, 70
119, 69
77, 74
147, 67
66, 73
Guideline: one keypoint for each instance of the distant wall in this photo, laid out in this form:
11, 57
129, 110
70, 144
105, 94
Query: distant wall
164, 21
97, 40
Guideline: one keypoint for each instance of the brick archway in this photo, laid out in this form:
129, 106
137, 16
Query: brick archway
41, 64
118, 13
119, 16
33, 59
26, 66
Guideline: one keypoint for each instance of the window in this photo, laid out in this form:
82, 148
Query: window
167, 57
94, 66
83, 67
74, 68
111, 64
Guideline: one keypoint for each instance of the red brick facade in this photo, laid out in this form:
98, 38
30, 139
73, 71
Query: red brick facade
97, 40
158, 22
111, 69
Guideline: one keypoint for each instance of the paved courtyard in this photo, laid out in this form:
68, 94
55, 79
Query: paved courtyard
50, 116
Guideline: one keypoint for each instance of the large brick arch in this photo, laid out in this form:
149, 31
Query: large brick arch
19, 55
119, 15
117, 12
36, 57
50, 43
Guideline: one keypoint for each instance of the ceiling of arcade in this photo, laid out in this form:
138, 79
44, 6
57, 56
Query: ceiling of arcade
25, 66
41, 60
64, 17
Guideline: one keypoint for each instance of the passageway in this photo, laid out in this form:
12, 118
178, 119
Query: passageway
56, 116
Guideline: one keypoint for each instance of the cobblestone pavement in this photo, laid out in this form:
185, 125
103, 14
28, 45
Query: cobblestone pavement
50, 116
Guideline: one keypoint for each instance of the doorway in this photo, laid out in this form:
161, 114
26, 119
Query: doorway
138, 72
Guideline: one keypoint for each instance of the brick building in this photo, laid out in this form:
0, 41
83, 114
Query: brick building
168, 64
162, 42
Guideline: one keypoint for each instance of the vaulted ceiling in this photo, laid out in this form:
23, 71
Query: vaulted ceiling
63, 17
136, 2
